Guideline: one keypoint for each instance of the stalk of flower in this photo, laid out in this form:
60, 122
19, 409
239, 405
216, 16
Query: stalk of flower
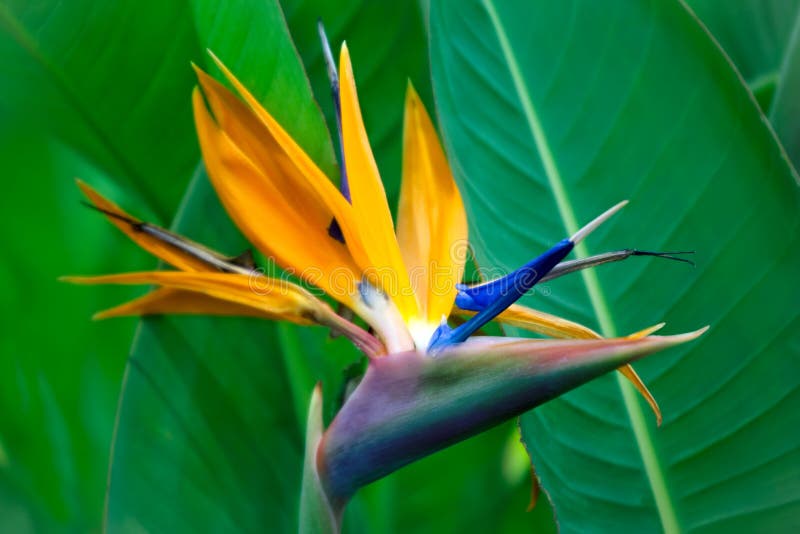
429, 382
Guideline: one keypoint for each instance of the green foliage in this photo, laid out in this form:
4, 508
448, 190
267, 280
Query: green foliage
784, 109
59, 371
754, 34
76, 101
205, 439
110, 80
554, 114
212, 415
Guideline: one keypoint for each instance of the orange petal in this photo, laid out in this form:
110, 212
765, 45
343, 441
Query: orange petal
647, 331
275, 298
160, 249
540, 323
179, 301
556, 327
431, 222
303, 179
633, 377
536, 489
305, 189
387, 269
268, 203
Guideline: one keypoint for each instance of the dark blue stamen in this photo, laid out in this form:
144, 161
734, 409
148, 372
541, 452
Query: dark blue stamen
334, 230
478, 296
333, 76
490, 299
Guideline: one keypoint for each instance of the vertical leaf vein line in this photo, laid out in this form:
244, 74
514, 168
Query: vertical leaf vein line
644, 440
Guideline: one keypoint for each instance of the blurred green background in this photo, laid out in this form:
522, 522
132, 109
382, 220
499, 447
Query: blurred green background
100, 91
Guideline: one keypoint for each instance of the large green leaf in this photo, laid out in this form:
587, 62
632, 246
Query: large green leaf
553, 111
207, 437
96, 91
784, 114
754, 33
59, 371
205, 440
762, 39
110, 79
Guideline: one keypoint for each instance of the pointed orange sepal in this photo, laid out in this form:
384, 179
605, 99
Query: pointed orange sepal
269, 297
154, 246
371, 210
265, 196
431, 222
167, 300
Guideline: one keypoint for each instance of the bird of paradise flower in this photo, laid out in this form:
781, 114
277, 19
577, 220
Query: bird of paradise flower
428, 384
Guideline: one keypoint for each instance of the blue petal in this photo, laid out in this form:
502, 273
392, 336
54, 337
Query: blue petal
490, 299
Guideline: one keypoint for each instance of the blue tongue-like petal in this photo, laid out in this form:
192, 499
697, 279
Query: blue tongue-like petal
491, 298
478, 297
